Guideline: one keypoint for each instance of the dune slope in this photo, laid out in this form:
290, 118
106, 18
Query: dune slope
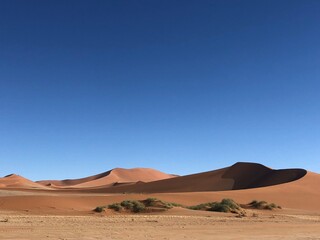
238, 176
16, 181
114, 177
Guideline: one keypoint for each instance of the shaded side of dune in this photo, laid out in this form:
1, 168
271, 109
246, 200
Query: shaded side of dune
252, 175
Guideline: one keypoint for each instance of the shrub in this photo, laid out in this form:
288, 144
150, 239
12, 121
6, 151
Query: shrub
154, 202
258, 204
230, 203
99, 209
115, 206
203, 206
150, 202
226, 205
263, 205
219, 207
133, 205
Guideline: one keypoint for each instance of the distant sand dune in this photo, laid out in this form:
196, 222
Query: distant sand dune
16, 181
117, 176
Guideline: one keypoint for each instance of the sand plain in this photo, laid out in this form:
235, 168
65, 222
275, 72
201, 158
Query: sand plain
172, 226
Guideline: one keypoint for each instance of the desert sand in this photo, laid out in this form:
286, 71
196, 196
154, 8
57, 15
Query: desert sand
63, 209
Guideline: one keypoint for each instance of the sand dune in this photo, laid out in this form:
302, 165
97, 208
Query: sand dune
302, 194
243, 182
16, 181
114, 177
238, 176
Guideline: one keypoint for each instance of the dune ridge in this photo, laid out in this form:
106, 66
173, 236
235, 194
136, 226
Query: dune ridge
114, 177
241, 175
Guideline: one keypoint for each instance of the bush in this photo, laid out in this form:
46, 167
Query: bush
133, 205
219, 207
154, 202
258, 204
263, 205
115, 206
149, 204
226, 205
230, 203
203, 206
99, 209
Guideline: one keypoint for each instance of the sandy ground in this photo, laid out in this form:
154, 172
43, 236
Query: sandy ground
271, 226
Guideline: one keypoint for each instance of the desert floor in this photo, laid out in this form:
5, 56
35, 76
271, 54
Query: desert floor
174, 224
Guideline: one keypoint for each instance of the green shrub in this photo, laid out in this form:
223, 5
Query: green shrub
154, 202
115, 206
230, 203
226, 205
262, 205
99, 209
128, 204
219, 207
133, 205
259, 204
203, 206
149, 202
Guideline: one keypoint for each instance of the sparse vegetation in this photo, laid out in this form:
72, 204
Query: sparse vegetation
154, 202
175, 204
99, 209
135, 206
263, 205
115, 206
226, 205
150, 202
203, 206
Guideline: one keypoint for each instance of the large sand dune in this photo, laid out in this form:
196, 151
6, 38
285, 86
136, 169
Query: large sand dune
238, 176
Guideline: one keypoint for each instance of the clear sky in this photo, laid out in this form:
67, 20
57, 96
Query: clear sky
180, 86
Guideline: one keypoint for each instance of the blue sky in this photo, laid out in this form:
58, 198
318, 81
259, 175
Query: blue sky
180, 86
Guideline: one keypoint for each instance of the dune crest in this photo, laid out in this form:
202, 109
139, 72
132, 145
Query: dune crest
114, 177
238, 176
